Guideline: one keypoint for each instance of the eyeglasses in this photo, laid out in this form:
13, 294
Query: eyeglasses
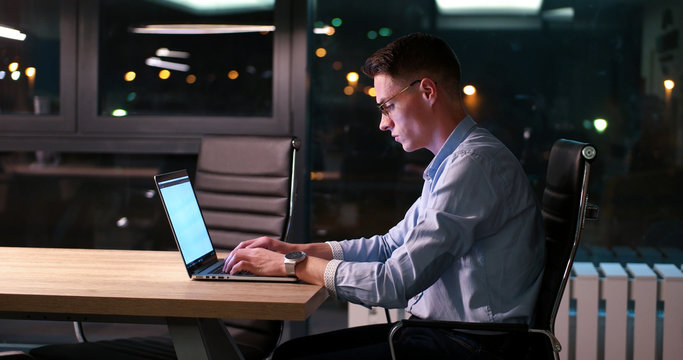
381, 107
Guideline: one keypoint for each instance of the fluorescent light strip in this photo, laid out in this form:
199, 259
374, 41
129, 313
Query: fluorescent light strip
13, 34
164, 52
194, 29
206, 6
322, 30
156, 62
559, 14
488, 7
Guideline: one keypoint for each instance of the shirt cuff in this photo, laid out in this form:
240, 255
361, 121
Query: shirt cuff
330, 274
337, 252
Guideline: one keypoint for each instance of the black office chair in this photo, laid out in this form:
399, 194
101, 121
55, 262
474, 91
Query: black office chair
564, 207
246, 188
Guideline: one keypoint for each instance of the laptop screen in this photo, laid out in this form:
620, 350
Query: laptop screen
185, 217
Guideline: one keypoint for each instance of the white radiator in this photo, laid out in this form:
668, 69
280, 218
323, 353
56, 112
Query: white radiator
615, 312
626, 313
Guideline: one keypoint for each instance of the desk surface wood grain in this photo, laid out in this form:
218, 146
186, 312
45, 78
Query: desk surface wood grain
139, 283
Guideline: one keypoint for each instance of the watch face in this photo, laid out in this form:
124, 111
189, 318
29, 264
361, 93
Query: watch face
294, 255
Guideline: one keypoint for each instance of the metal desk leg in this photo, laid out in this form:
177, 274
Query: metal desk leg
205, 339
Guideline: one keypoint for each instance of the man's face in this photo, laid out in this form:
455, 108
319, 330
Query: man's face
403, 113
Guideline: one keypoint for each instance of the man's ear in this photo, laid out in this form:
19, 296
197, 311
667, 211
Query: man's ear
429, 90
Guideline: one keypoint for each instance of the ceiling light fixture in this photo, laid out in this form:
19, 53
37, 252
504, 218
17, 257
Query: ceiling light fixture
164, 52
221, 6
489, 7
200, 29
156, 62
10, 33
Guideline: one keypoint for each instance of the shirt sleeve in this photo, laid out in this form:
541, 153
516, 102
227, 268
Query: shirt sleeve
442, 230
337, 252
330, 273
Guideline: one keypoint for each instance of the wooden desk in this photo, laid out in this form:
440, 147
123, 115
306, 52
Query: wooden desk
145, 286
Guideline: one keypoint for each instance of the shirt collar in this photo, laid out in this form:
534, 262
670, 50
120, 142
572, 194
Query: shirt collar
461, 131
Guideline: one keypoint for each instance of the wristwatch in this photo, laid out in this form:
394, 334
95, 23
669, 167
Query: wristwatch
291, 259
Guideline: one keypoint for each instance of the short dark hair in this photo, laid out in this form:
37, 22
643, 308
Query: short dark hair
418, 53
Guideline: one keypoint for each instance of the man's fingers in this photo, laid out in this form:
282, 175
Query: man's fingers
241, 265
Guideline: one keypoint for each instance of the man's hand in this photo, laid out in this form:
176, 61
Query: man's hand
262, 243
265, 256
266, 243
255, 260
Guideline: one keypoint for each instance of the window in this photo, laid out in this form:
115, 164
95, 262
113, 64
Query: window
148, 72
80, 175
593, 71
178, 58
115, 75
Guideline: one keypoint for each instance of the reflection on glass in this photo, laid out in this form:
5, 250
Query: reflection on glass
600, 72
181, 58
29, 57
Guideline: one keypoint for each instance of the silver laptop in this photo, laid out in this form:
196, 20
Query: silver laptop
190, 232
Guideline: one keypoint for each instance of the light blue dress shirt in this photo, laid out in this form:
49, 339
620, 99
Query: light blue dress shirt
471, 248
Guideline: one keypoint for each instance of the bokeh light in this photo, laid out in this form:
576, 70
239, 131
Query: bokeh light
129, 76
370, 91
30, 72
600, 125
669, 84
469, 90
385, 31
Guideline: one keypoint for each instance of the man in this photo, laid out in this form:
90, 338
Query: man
469, 249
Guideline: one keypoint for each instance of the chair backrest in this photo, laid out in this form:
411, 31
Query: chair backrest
245, 186
564, 207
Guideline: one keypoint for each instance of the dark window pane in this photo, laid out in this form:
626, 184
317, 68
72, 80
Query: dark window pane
29, 57
593, 71
160, 58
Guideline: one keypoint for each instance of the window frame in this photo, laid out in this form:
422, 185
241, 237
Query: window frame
10, 124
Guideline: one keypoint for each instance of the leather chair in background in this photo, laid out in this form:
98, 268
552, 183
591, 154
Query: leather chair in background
246, 186
564, 207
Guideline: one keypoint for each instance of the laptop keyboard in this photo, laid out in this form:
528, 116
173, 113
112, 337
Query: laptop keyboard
219, 270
